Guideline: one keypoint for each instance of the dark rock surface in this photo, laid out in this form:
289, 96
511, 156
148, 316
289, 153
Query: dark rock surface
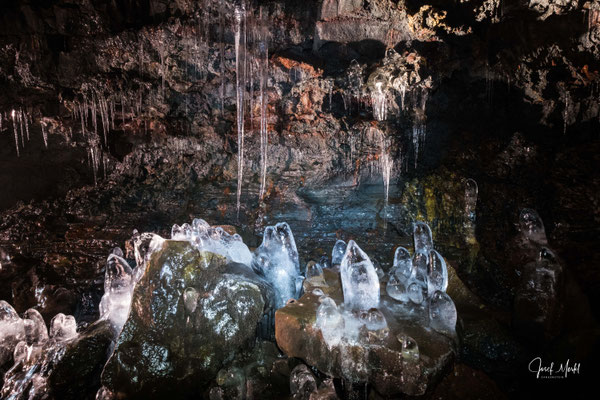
190, 314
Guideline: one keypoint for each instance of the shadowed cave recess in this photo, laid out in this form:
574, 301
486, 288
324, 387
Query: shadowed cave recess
308, 200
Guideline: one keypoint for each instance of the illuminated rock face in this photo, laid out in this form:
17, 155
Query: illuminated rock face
190, 312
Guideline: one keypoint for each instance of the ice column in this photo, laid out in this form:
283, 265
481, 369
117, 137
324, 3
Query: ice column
240, 57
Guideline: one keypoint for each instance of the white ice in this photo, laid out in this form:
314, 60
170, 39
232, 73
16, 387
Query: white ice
277, 259
339, 249
213, 239
360, 283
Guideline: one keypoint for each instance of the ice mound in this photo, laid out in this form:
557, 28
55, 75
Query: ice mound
418, 278
277, 259
32, 348
418, 283
213, 239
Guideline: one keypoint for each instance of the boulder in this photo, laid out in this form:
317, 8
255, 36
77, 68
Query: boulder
190, 313
379, 360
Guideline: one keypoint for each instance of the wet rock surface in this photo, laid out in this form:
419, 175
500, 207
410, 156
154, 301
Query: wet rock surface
190, 313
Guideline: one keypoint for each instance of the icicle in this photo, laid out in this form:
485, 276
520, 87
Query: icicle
20, 118
240, 56
222, 54
14, 122
44, 133
379, 101
141, 58
263, 51
26, 118
566, 112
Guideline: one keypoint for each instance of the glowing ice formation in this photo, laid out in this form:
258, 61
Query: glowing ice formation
33, 351
330, 321
118, 289
213, 239
339, 249
442, 312
531, 226
359, 279
277, 259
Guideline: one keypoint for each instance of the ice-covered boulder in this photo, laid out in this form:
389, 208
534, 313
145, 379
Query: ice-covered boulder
190, 311
393, 351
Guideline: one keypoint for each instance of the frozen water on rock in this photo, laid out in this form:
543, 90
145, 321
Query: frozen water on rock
330, 321
302, 383
277, 259
410, 348
397, 288
35, 327
119, 282
373, 319
213, 239
531, 226
471, 191
313, 270
339, 249
437, 277
360, 282
442, 312
422, 237
63, 327
415, 292
403, 266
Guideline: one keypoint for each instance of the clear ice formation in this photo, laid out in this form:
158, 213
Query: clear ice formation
213, 239
277, 259
118, 289
360, 283
471, 191
302, 383
422, 238
240, 70
339, 249
442, 312
330, 321
419, 282
32, 349
532, 227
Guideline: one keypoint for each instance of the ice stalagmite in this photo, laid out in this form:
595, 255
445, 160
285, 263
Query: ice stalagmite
339, 249
437, 273
277, 259
532, 227
442, 313
240, 67
359, 279
118, 289
330, 321
422, 238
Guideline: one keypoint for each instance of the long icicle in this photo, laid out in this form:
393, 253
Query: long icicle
263, 49
240, 47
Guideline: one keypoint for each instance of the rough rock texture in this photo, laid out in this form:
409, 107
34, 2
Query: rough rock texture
190, 313
381, 362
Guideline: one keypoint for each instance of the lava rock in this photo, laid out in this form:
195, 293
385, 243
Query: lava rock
190, 313
381, 362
